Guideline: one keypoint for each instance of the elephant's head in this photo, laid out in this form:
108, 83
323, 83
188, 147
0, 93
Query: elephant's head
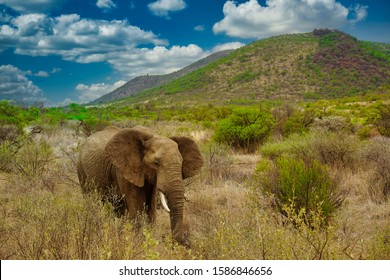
136, 152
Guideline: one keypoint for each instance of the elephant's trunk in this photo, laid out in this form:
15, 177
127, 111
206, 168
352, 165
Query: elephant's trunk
173, 188
176, 205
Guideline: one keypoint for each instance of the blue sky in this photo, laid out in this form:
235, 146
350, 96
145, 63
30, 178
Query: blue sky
62, 51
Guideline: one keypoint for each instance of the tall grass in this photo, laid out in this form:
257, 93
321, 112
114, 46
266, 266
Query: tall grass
228, 216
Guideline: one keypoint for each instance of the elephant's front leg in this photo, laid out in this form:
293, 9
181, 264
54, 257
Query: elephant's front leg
141, 201
135, 201
134, 198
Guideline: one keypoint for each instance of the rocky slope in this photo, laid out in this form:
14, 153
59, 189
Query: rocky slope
320, 64
141, 83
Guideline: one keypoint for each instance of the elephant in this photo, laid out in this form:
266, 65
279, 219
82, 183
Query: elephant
134, 165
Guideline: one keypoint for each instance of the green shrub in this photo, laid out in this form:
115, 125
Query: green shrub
336, 149
305, 186
33, 158
11, 115
245, 129
294, 145
298, 122
281, 115
364, 132
382, 121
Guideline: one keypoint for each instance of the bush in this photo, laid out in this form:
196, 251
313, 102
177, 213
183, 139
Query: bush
7, 154
10, 133
281, 115
298, 122
11, 115
294, 145
245, 129
304, 186
332, 124
33, 158
382, 122
376, 156
335, 149
217, 161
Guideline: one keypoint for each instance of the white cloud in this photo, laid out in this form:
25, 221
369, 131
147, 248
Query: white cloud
73, 38
105, 4
85, 41
55, 70
164, 7
199, 28
252, 20
43, 74
359, 12
159, 60
91, 92
228, 46
16, 86
31, 6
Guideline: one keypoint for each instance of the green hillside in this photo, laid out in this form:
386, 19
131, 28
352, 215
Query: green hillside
315, 65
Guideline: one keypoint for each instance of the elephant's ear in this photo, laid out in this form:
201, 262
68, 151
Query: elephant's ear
192, 158
125, 150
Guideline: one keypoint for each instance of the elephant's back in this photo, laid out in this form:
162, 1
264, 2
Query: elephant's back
93, 158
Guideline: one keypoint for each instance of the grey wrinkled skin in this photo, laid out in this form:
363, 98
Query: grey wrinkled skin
128, 167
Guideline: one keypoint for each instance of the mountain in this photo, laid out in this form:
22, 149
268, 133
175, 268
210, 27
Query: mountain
320, 64
142, 83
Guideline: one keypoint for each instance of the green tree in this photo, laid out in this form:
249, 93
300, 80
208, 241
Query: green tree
245, 128
11, 114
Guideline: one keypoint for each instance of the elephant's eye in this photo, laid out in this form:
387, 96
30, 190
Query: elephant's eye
156, 162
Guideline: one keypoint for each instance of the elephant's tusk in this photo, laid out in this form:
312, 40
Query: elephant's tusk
164, 202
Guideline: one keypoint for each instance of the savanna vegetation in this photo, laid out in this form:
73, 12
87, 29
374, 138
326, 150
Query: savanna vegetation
295, 135
281, 180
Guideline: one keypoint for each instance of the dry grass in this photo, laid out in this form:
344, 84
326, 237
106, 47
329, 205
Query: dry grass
47, 217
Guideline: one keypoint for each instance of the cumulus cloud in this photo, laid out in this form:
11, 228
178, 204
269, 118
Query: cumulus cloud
31, 6
105, 4
252, 20
41, 73
199, 28
55, 70
86, 41
164, 7
73, 38
228, 46
15, 85
91, 92
159, 60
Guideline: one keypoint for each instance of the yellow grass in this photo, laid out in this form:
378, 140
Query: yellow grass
47, 217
